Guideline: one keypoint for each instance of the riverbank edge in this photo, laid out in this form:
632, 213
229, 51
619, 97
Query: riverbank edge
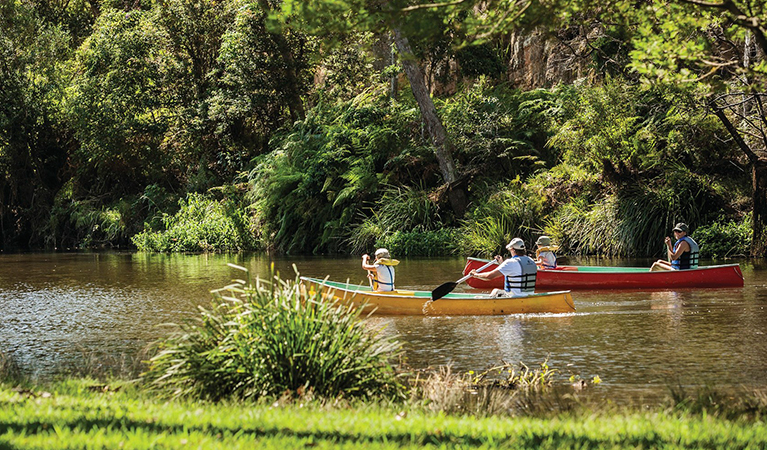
79, 413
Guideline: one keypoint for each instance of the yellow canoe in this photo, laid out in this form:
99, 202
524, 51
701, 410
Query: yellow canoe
454, 304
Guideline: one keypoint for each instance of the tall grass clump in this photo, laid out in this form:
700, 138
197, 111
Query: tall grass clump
742, 404
202, 224
511, 211
406, 220
270, 337
633, 220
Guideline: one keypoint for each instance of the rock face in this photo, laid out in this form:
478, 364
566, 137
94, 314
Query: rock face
538, 60
532, 59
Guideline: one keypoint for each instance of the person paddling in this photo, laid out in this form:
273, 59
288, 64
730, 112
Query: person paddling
683, 254
381, 271
519, 272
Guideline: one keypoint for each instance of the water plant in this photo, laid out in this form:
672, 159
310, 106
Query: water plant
267, 337
9, 368
507, 375
498, 390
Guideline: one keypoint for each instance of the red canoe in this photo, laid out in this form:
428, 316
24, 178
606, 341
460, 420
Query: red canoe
594, 277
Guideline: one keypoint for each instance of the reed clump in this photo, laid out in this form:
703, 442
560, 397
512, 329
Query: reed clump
9, 369
506, 389
725, 404
268, 338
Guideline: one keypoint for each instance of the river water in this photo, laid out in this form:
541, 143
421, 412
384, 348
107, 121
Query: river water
58, 308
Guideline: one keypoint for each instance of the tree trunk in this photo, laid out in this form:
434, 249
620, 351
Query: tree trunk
759, 194
442, 146
758, 184
295, 104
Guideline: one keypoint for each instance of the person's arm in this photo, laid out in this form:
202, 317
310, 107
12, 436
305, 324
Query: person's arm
681, 248
366, 263
489, 275
486, 275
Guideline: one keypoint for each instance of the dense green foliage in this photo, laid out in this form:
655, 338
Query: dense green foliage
724, 239
307, 191
201, 225
656, 169
120, 124
265, 338
341, 180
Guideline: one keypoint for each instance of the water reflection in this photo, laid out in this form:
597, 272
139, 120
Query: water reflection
54, 307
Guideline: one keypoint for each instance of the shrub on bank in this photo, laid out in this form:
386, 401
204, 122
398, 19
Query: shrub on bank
267, 338
725, 239
421, 243
408, 221
635, 219
201, 225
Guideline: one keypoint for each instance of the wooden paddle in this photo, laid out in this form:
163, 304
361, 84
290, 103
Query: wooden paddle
445, 288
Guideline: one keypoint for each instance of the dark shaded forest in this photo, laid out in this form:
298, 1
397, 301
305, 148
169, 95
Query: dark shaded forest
431, 128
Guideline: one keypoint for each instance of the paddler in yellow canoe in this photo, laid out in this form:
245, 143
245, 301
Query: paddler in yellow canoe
381, 272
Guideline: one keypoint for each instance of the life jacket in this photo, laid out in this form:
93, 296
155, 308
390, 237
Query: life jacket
387, 261
550, 248
687, 260
523, 282
549, 258
383, 280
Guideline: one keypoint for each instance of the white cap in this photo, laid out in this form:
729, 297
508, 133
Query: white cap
382, 253
517, 244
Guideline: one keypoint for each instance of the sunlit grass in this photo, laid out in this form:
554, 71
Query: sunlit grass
72, 415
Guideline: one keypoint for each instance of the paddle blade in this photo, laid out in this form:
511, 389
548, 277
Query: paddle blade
442, 290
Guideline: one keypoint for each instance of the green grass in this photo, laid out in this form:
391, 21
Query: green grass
76, 414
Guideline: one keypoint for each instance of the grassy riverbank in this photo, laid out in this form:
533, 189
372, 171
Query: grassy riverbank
83, 414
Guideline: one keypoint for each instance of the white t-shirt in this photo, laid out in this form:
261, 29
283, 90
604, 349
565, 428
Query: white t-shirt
549, 259
512, 267
384, 280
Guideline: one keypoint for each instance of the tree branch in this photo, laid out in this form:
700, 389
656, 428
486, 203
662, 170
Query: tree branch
750, 22
719, 112
432, 5
760, 108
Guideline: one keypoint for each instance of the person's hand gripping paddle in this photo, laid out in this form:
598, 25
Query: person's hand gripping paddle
445, 288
